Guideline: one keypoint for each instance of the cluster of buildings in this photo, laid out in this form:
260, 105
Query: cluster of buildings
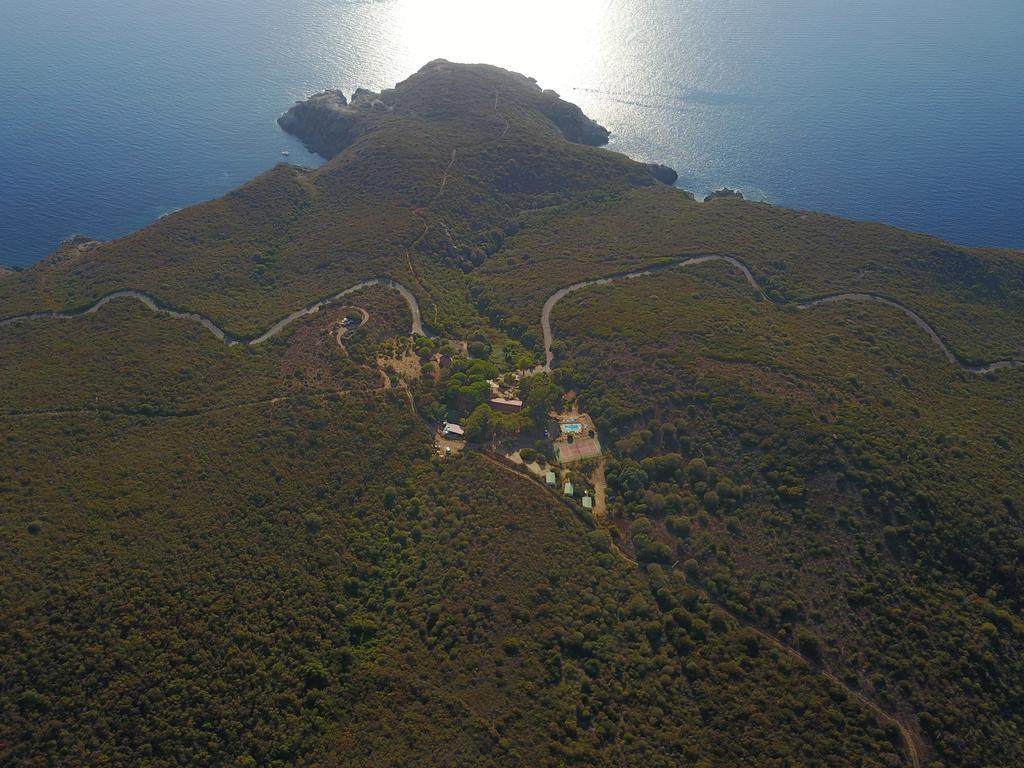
453, 431
568, 490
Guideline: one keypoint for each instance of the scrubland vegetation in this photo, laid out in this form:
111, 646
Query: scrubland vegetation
828, 476
251, 556
274, 587
974, 298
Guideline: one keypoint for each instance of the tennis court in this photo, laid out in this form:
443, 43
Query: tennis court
580, 448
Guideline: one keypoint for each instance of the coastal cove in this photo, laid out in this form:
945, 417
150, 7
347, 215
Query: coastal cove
852, 111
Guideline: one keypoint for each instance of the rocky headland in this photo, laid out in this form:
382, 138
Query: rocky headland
325, 122
329, 122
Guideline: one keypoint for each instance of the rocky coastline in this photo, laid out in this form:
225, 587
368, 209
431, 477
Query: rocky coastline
328, 122
663, 173
325, 122
574, 125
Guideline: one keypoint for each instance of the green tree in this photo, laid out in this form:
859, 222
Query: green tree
540, 396
315, 675
697, 470
479, 423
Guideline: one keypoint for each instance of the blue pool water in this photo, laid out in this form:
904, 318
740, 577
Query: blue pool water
906, 111
572, 427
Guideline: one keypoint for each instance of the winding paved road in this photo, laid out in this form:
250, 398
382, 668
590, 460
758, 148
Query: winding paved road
417, 328
557, 296
545, 319
159, 307
920, 321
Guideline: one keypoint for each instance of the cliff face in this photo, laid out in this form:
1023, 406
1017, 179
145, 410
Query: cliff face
663, 173
326, 123
574, 125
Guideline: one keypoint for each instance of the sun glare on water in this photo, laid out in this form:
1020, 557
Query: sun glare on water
557, 41
595, 53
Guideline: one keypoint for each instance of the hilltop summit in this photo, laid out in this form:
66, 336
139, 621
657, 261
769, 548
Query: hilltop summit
472, 93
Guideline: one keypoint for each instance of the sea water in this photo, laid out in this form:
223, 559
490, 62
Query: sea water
911, 112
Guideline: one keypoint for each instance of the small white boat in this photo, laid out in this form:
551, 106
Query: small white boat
285, 152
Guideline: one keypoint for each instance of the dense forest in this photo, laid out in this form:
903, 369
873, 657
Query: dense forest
830, 477
812, 550
299, 582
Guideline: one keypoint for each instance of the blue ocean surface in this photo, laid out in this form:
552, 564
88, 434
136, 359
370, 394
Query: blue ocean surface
911, 112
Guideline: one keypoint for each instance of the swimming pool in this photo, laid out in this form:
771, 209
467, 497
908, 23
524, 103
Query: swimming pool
574, 427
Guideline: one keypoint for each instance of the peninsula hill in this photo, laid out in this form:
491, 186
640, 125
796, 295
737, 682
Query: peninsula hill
741, 485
